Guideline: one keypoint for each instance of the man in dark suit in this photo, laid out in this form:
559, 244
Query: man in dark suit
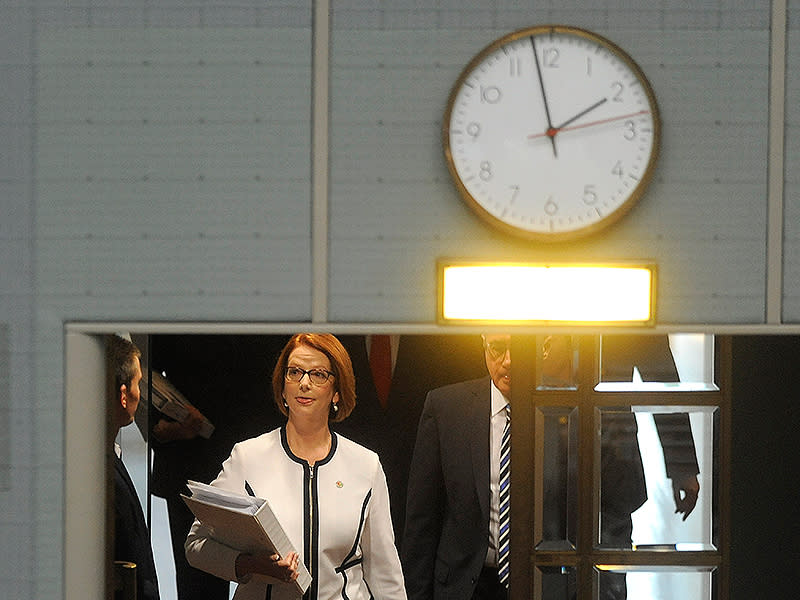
450, 541
131, 536
449, 547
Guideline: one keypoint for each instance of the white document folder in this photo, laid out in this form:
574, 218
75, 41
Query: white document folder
244, 522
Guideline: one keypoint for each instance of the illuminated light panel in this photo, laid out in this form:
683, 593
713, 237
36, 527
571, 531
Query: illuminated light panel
574, 294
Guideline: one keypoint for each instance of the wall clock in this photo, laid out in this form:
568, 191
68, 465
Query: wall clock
551, 132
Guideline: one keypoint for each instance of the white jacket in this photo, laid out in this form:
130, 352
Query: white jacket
335, 513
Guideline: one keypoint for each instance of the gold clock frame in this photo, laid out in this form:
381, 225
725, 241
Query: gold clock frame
596, 226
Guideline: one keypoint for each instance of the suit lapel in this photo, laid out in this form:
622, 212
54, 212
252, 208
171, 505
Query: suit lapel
479, 418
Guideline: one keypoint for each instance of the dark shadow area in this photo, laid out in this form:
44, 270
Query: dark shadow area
764, 466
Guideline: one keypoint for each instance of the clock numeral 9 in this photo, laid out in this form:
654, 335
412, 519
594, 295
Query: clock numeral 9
473, 130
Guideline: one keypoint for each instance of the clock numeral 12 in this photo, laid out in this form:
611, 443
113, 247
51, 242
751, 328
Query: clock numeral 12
550, 58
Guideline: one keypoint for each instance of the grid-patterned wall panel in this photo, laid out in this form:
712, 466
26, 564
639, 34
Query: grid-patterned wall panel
394, 209
174, 172
5, 408
791, 221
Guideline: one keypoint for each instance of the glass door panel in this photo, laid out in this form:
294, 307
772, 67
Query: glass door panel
657, 473
557, 438
626, 444
662, 583
556, 362
674, 362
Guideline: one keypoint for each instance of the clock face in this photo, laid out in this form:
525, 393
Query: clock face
551, 132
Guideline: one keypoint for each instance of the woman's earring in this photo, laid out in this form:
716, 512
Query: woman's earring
335, 407
285, 404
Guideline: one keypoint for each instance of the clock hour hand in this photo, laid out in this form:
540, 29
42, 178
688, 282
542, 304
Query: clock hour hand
580, 114
550, 129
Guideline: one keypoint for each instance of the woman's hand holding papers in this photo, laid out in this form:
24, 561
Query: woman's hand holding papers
271, 565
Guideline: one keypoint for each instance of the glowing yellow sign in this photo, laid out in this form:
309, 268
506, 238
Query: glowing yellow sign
553, 294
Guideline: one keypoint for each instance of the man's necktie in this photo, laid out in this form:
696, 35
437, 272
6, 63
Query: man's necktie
505, 500
380, 362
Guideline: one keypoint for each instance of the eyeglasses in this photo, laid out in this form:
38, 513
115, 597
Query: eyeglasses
498, 349
315, 376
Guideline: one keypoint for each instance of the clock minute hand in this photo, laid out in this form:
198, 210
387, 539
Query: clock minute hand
550, 132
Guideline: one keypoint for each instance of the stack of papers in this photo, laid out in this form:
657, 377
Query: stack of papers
244, 522
223, 498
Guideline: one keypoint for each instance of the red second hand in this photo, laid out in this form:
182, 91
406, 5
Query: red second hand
554, 130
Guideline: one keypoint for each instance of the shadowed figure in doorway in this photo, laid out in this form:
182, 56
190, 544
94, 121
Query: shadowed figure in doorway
622, 486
